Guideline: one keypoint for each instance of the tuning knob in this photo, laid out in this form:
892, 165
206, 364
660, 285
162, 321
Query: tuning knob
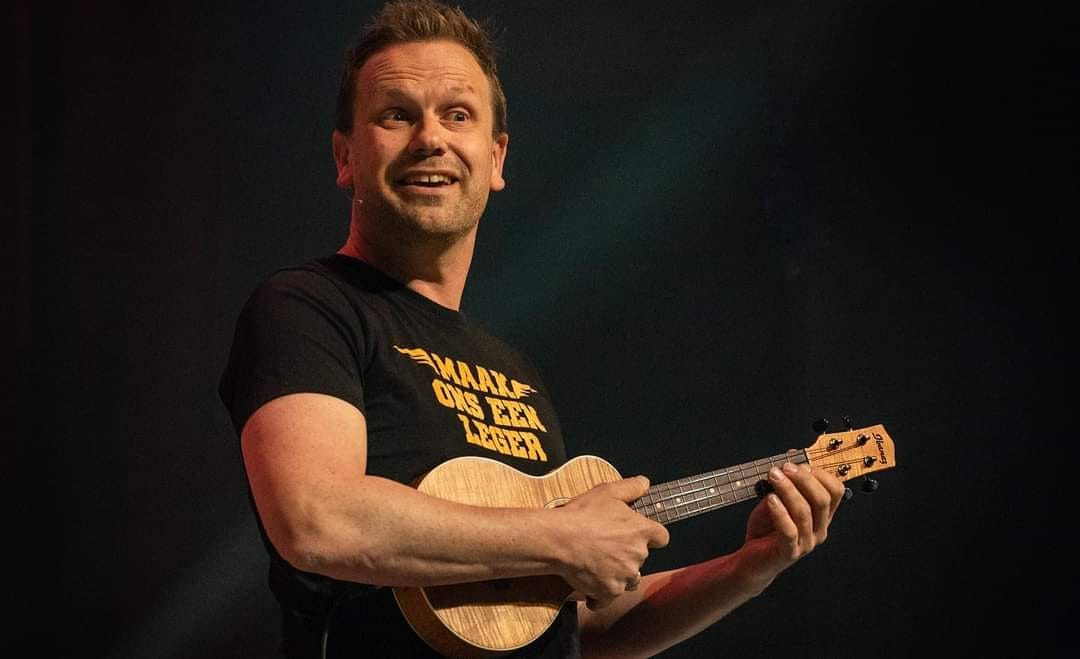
848, 422
821, 425
848, 493
869, 484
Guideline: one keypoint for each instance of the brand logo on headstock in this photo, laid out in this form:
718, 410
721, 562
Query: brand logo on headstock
881, 448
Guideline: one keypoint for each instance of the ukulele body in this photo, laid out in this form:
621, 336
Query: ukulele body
490, 618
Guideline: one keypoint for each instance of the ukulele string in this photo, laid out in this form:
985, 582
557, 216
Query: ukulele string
665, 493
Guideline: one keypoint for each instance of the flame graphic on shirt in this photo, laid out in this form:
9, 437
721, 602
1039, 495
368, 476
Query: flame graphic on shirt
523, 389
419, 355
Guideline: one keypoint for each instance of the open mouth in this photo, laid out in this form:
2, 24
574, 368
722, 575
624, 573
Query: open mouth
426, 180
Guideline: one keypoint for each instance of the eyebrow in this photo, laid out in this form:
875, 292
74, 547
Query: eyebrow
463, 88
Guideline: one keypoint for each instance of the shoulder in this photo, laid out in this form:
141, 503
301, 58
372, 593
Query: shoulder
312, 276
328, 284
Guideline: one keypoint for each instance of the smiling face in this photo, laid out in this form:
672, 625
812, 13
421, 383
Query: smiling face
421, 158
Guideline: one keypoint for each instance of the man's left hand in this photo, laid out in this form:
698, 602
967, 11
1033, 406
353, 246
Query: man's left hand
790, 522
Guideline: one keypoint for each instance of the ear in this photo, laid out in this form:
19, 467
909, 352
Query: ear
343, 160
498, 157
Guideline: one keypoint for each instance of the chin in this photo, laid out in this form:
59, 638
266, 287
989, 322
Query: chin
437, 219
437, 224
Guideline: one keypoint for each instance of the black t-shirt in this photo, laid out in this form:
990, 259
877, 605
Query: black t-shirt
431, 384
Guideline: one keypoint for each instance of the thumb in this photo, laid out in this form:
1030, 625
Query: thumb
629, 489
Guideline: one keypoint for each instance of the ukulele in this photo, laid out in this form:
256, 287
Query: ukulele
491, 618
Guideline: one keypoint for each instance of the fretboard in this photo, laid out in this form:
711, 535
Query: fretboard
686, 497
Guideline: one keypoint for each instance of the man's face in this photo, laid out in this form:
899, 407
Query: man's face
421, 158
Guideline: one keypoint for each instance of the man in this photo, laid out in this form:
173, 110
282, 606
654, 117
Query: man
330, 386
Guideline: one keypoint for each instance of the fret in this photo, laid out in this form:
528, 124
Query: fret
680, 492
733, 484
714, 490
762, 466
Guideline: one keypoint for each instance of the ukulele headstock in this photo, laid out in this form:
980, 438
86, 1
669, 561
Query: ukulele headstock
853, 452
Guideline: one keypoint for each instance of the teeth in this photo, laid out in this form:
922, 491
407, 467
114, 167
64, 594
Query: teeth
426, 178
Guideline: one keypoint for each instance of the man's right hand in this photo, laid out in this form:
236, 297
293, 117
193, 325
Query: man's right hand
607, 542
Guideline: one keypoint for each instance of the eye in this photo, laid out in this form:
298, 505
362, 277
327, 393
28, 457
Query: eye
394, 115
457, 116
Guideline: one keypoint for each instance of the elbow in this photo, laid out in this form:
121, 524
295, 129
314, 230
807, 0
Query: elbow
318, 547
299, 545
307, 556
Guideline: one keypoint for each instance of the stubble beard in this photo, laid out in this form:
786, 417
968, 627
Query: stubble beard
426, 220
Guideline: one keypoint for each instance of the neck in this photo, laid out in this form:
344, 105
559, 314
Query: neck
435, 268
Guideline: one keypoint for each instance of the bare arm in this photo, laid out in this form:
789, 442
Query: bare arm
669, 607
305, 456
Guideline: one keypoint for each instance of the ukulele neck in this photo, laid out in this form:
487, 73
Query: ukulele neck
686, 497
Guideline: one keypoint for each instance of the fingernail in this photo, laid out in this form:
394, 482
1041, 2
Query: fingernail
790, 468
775, 474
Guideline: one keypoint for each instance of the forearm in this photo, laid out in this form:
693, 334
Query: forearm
385, 533
667, 608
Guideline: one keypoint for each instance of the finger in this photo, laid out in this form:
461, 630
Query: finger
834, 487
659, 537
783, 525
595, 604
629, 489
794, 501
818, 497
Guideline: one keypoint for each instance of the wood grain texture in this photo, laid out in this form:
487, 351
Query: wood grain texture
490, 618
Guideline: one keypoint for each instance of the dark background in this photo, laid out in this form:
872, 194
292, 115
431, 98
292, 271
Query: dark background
723, 221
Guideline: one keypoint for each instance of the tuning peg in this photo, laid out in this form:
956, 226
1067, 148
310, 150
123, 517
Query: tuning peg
821, 425
848, 493
848, 422
869, 484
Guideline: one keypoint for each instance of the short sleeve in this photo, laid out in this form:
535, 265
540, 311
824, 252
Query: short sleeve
297, 333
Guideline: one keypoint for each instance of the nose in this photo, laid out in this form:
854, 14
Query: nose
429, 136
